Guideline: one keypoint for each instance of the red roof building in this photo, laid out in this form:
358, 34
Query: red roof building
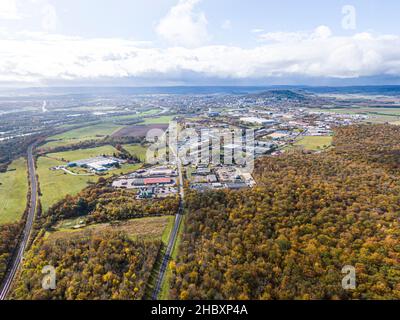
157, 180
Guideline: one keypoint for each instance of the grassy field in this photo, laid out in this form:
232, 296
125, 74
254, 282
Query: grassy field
314, 142
135, 116
148, 228
136, 149
13, 191
376, 115
83, 153
93, 132
125, 168
55, 185
158, 120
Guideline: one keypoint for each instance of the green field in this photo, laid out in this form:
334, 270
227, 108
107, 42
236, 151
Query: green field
158, 120
376, 115
93, 132
90, 132
314, 143
125, 168
135, 116
55, 185
137, 150
13, 191
81, 154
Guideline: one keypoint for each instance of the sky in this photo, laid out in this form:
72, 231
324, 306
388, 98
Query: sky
199, 42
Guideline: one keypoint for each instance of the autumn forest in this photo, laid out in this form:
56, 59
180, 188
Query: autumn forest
289, 237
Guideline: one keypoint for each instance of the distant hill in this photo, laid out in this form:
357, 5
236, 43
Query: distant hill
282, 95
292, 91
367, 90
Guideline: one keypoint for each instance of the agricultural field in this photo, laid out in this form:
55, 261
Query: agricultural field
314, 143
91, 132
158, 120
80, 154
137, 150
376, 115
13, 191
74, 136
135, 116
139, 130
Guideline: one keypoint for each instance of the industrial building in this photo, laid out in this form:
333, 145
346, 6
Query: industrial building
258, 121
97, 164
155, 182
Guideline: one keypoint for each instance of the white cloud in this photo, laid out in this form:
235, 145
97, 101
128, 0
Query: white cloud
226, 25
9, 10
183, 26
321, 32
257, 30
35, 57
282, 36
42, 10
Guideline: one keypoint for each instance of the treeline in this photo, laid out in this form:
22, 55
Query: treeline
9, 234
86, 144
308, 217
108, 267
100, 203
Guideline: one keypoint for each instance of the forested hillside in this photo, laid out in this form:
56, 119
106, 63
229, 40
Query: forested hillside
110, 266
309, 216
8, 240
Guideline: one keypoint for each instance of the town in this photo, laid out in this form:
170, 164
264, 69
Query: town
215, 139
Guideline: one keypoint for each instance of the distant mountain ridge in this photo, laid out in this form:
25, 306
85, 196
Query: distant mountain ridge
290, 91
281, 95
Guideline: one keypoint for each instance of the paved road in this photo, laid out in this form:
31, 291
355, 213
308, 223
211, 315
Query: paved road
172, 238
77, 174
27, 230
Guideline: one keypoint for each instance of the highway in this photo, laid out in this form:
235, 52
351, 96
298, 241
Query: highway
15, 264
172, 238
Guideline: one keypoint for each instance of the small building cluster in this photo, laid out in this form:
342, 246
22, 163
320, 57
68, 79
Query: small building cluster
220, 177
97, 164
155, 182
